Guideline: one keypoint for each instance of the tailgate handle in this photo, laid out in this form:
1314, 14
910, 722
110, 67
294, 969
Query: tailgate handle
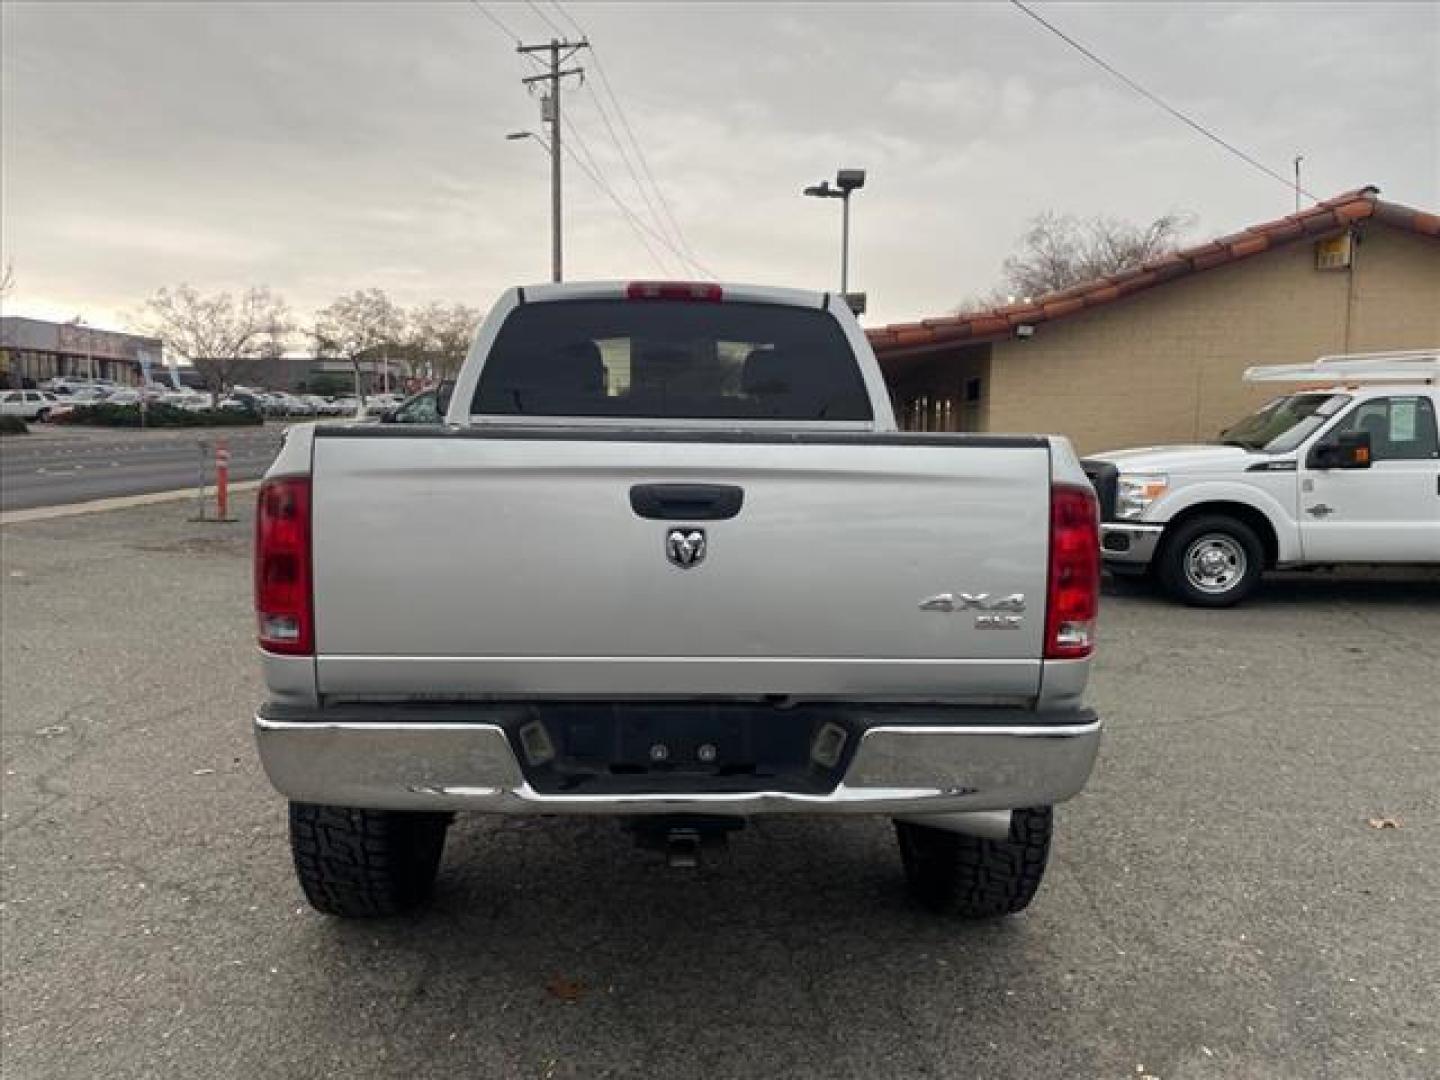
686, 502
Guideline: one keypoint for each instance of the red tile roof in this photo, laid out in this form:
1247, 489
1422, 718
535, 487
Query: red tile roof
916, 338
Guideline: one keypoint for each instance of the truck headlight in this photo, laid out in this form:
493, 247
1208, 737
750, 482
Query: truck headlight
1137, 492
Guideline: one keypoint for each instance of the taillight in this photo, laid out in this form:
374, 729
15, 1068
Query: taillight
1073, 596
283, 604
673, 290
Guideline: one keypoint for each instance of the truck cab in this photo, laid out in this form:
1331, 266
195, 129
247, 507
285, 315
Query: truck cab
1345, 470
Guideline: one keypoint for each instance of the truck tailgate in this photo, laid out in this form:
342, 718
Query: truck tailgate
512, 562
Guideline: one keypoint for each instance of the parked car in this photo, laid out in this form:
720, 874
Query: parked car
426, 407
67, 384
697, 577
1346, 473
37, 405
88, 395
242, 402
190, 400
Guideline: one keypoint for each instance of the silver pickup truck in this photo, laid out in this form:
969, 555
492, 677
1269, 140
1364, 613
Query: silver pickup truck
668, 559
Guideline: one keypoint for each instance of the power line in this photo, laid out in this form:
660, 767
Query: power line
592, 170
1156, 99
629, 164
495, 20
630, 214
689, 253
546, 18
596, 174
625, 155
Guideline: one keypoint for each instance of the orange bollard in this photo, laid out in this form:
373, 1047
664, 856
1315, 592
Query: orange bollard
222, 480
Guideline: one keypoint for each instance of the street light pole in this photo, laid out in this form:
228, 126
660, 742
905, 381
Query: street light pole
847, 181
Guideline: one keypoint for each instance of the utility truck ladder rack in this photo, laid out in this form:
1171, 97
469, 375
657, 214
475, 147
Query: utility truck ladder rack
1415, 365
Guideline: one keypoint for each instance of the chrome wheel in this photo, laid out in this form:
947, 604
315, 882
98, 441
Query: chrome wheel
1215, 563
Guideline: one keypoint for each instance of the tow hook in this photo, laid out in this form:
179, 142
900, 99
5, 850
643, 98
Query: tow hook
683, 839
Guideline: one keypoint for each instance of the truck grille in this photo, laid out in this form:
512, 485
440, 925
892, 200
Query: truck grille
1105, 478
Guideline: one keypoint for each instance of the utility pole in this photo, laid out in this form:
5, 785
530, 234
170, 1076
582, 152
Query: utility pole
550, 114
1298, 159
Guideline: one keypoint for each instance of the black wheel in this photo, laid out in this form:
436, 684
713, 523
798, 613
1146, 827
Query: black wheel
43, 416
972, 878
365, 863
1211, 562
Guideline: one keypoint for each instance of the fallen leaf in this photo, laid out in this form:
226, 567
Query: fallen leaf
1385, 823
566, 990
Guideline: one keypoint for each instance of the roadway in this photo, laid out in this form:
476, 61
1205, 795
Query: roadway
53, 467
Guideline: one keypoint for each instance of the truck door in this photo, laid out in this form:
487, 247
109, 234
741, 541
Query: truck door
1389, 512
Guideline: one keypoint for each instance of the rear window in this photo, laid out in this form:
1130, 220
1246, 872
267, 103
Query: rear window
668, 359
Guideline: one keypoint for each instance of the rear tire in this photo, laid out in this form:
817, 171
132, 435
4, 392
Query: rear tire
1211, 561
972, 878
361, 864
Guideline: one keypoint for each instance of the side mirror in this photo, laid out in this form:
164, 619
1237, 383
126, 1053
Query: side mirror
388, 416
442, 397
1348, 450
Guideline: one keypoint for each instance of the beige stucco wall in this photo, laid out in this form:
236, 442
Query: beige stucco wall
1164, 366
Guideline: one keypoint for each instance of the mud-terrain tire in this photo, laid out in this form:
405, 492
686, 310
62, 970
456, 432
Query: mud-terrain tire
361, 864
973, 878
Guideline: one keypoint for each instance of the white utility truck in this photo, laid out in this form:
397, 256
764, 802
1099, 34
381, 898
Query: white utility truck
1345, 470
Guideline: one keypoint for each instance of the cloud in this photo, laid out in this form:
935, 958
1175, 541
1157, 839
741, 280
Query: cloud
320, 148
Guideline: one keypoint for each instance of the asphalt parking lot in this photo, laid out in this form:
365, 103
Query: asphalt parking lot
1219, 903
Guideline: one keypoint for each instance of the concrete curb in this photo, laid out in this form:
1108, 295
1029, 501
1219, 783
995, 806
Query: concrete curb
119, 502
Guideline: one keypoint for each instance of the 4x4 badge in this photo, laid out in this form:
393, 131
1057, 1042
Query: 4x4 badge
685, 547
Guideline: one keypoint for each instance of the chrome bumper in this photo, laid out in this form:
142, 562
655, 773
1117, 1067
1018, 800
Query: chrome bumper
1127, 542
455, 766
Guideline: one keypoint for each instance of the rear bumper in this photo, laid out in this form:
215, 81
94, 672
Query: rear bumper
445, 763
1127, 542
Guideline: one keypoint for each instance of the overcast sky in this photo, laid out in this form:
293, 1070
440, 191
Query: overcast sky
323, 147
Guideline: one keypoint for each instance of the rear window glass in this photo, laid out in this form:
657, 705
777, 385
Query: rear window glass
669, 359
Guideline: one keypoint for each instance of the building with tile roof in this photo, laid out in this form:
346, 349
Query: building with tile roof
1154, 354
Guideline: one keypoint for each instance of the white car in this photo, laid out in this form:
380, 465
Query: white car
29, 404
87, 395
1349, 473
67, 384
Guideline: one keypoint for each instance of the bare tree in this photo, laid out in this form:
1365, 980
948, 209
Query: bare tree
227, 338
1057, 251
355, 324
439, 336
